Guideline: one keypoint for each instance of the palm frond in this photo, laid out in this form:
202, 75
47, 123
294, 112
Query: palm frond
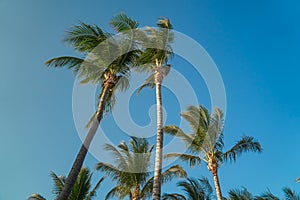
173, 196
245, 144
176, 131
191, 159
119, 191
121, 22
119, 158
268, 195
240, 194
149, 82
197, 117
85, 37
146, 191
109, 170
58, 183
126, 151
175, 171
122, 84
290, 194
196, 189
92, 193
65, 61
82, 185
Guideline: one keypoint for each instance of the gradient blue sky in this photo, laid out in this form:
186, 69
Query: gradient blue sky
255, 45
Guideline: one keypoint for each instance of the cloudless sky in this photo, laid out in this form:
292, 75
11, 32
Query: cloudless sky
255, 45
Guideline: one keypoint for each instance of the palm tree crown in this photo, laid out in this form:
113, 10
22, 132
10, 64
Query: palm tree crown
82, 188
131, 170
205, 143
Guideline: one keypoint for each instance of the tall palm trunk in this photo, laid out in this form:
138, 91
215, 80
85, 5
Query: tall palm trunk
158, 76
217, 186
213, 168
136, 193
73, 174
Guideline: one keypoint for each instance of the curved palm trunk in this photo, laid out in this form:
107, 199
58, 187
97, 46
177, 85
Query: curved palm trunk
214, 172
159, 138
73, 174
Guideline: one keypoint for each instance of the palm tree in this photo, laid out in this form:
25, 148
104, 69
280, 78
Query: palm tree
195, 189
239, 194
97, 69
206, 142
131, 172
81, 189
289, 194
155, 61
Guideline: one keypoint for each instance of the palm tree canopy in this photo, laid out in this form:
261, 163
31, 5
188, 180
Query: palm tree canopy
82, 188
131, 169
103, 58
157, 51
206, 139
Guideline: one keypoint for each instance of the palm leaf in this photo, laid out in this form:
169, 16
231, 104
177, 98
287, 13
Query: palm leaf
119, 191
85, 37
245, 144
240, 194
109, 169
290, 194
65, 61
176, 131
58, 183
82, 185
173, 197
93, 192
191, 159
172, 172
268, 195
121, 22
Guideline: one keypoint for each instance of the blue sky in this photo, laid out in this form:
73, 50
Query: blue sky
255, 45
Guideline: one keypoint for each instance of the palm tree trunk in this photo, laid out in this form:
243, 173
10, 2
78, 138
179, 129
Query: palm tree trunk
217, 185
73, 174
136, 193
159, 138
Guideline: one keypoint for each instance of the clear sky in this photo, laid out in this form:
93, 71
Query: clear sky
255, 45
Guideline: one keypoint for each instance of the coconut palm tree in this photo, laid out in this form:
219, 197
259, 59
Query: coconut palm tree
205, 143
289, 194
81, 190
131, 171
195, 189
154, 60
102, 66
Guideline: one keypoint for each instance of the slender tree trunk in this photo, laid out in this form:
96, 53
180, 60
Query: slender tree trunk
73, 174
159, 138
217, 184
136, 193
